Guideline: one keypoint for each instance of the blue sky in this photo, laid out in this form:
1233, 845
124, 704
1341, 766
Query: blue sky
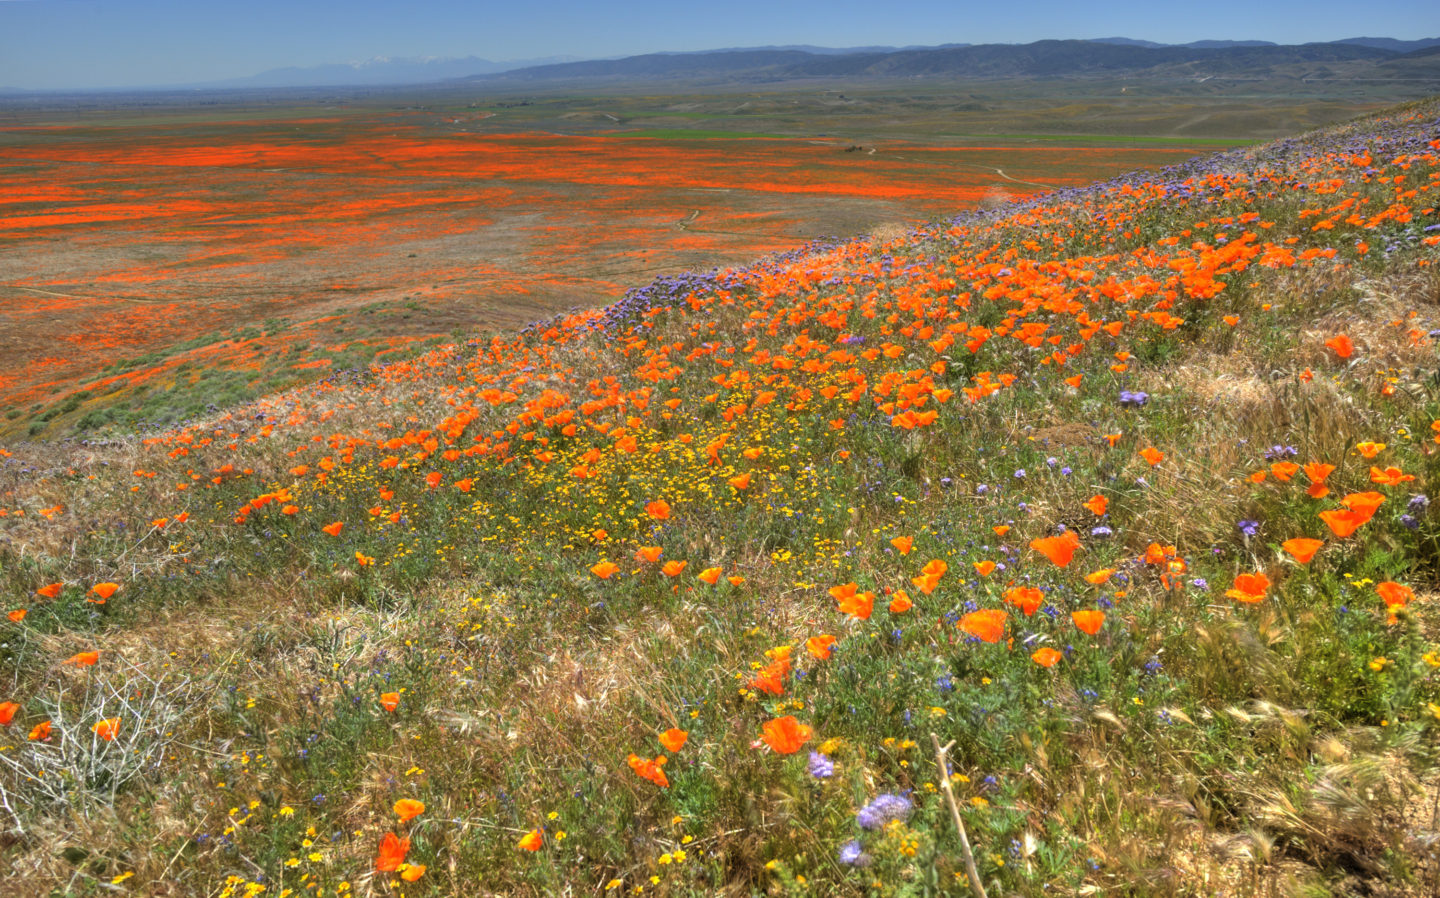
62, 44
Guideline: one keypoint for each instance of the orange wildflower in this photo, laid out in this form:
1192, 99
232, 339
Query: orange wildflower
650, 770
1096, 578
84, 659
1089, 621
901, 603
7, 712
984, 568
604, 569
1046, 656
648, 553
1059, 549
392, 853
1391, 476
107, 729
659, 509
1152, 455
411, 872
335, 528
673, 568
17, 615
1302, 548
50, 590
710, 575
903, 544
407, 808
1395, 595
820, 646
432, 480
390, 701
1027, 598
104, 590
532, 841
1341, 345
786, 735
1369, 448
1097, 505
1249, 588
986, 625
740, 482
674, 739
40, 732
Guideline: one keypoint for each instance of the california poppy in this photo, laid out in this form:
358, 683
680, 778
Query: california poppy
1089, 621
1027, 598
83, 659
710, 575
648, 553
432, 480
1369, 448
1097, 505
17, 615
1395, 595
673, 568
531, 841
411, 872
650, 770
673, 739
1341, 345
1249, 588
406, 808
107, 729
852, 601
7, 712
50, 590
821, 646
605, 569
984, 568
1046, 656
1343, 523
900, 603
903, 544
40, 732
740, 482
392, 853
1059, 549
390, 700
1302, 548
104, 590
1152, 455
1097, 578
786, 735
659, 509
986, 625
335, 528
1390, 476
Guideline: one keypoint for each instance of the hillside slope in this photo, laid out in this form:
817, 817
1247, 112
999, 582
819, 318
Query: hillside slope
1122, 492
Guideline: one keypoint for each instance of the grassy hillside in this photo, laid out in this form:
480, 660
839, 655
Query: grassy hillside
1117, 499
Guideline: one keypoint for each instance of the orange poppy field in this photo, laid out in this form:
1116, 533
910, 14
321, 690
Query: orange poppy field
1081, 543
137, 252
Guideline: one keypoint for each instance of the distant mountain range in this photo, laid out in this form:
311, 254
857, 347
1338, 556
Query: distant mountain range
1362, 57
382, 71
